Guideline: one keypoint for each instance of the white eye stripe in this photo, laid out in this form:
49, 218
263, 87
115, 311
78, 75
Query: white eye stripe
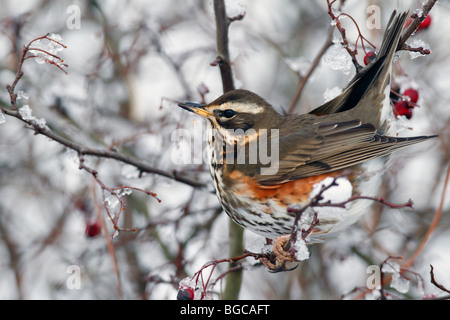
240, 107
229, 113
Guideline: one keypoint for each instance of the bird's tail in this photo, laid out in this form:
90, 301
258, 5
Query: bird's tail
366, 94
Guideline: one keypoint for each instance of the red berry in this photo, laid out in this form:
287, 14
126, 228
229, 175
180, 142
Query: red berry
401, 108
93, 229
369, 57
412, 94
425, 23
185, 294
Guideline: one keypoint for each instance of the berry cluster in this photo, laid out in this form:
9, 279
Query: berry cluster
404, 104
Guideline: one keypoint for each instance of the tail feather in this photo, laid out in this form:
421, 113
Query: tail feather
376, 74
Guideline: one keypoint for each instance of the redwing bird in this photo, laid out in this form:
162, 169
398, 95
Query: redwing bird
347, 137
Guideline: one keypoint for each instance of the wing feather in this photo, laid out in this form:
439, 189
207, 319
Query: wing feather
331, 147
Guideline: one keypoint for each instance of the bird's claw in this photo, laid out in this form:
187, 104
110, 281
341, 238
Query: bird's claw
280, 259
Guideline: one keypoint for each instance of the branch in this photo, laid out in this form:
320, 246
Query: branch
80, 149
85, 151
206, 283
223, 56
116, 193
110, 247
421, 50
433, 281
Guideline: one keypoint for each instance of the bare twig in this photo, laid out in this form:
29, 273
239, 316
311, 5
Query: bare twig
19, 74
114, 192
207, 283
421, 50
433, 281
223, 56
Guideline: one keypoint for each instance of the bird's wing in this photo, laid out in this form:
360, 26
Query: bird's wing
329, 147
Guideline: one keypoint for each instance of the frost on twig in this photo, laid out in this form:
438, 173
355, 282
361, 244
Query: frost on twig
336, 17
398, 281
337, 58
45, 50
26, 114
417, 48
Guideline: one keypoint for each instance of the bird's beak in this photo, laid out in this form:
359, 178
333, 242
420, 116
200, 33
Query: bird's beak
196, 108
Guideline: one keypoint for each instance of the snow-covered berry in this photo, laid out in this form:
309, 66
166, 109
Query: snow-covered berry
401, 108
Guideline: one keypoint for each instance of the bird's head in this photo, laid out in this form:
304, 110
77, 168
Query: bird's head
236, 112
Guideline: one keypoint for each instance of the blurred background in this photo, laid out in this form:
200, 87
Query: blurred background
129, 63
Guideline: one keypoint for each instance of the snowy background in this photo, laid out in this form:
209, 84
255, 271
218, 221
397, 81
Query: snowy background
129, 62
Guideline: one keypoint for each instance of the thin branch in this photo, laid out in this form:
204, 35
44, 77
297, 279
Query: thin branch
421, 50
110, 246
344, 41
430, 230
223, 56
426, 8
433, 281
114, 192
236, 266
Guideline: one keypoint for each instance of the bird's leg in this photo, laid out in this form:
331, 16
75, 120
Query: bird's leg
279, 258
283, 252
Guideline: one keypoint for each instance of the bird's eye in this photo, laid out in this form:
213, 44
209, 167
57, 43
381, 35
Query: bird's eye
229, 113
